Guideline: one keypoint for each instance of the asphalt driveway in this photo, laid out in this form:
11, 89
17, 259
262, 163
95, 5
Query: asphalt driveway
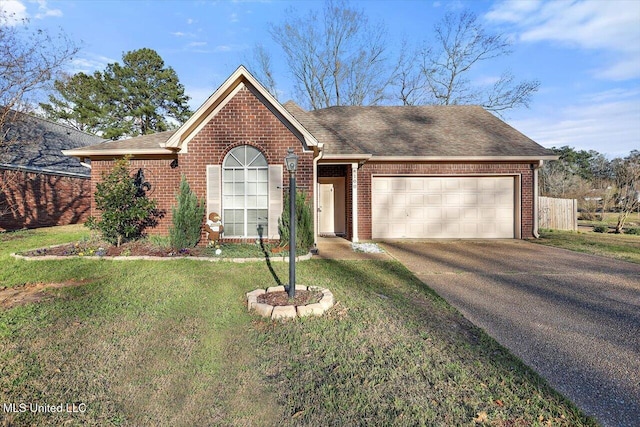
572, 317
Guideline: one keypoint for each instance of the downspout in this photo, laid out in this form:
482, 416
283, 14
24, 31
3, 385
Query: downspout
316, 192
535, 198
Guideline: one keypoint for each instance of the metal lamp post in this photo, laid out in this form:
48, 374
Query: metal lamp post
291, 161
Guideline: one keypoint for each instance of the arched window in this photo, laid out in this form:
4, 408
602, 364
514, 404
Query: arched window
245, 192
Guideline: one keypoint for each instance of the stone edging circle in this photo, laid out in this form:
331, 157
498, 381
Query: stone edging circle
290, 311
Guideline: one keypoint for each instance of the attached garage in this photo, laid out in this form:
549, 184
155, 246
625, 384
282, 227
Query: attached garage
443, 207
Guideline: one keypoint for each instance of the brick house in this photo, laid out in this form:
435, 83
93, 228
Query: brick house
39, 186
371, 172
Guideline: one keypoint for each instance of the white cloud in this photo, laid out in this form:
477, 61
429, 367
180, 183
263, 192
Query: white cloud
609, 26
14, 12
197, 44
608, 122
44, 11
233, 17
90, 64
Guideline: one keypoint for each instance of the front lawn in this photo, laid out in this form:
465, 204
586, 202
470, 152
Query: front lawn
171, 343
619, 246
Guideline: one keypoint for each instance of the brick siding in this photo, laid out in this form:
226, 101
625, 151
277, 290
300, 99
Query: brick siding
31, 200
243, 120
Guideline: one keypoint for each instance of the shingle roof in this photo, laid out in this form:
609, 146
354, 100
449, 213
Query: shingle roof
36, 144
416, 131
147, 143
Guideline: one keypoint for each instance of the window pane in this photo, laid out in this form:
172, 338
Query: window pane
262, 202
238, 189
259, 161
227, 175
252, 153
252, 175
263, 188
238, 175
251, 201
263, 175
227, 188
238, 153
230, 161
252, 189
263, 217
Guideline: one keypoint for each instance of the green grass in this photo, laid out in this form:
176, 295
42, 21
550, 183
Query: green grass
171, 343
619, 246
610, 220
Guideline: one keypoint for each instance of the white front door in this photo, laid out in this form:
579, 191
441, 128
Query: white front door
326, 208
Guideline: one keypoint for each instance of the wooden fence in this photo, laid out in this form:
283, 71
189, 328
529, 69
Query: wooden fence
558, 214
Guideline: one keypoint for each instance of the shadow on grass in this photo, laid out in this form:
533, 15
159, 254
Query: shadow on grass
267, 258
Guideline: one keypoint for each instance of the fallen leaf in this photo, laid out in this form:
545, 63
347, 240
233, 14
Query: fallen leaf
499, 402
481, 418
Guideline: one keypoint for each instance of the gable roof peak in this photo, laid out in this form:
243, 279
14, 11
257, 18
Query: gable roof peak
241, 76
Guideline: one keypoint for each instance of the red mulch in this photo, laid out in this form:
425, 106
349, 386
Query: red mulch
281, 298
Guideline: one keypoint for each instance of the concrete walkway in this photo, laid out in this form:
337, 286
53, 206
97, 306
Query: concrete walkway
340, 249
572, 317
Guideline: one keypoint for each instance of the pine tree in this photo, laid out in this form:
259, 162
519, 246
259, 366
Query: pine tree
187, 218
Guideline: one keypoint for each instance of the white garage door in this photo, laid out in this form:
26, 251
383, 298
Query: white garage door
443, 207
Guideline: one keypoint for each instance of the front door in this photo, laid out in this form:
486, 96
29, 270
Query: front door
331, 206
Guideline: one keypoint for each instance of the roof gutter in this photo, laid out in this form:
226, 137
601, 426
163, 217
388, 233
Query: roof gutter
47, 171
316, 191
116, 152
349, 157
460, 158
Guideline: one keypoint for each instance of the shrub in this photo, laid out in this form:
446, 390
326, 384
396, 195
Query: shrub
600, 228
126, 212
304, 222
633, 230
187, 218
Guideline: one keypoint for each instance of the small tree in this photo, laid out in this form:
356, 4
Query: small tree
304, 222
125, 214
187, 218
627, 177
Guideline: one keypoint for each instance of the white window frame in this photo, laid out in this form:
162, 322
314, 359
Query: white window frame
230, 197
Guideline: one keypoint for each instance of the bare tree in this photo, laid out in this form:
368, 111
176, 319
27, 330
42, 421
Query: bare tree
259, 64
627, 177
336, 57
461, 42
29, 61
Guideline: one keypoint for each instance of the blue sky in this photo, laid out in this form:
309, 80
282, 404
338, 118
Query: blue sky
585, 53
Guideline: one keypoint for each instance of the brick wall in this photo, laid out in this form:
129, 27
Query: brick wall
31, 200
244, 120
371, 168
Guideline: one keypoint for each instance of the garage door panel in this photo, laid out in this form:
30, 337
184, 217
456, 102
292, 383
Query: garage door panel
443, 207
416, 199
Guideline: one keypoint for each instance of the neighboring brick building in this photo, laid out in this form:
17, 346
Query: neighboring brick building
39, 186
371, 172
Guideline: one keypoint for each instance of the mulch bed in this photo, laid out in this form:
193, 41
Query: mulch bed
281, 298
136, 248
